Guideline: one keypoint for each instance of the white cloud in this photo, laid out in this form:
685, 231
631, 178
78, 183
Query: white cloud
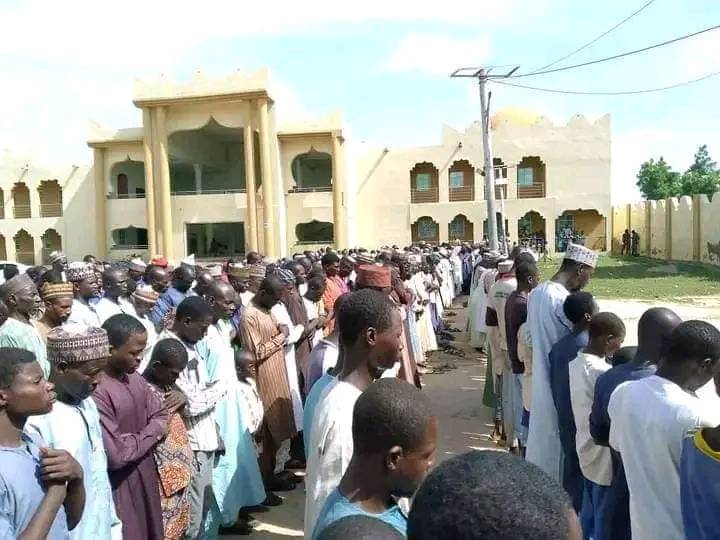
437, 55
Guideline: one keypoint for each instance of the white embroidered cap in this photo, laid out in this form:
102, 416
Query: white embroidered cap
581, 254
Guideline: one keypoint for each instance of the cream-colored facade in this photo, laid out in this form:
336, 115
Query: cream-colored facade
211, 172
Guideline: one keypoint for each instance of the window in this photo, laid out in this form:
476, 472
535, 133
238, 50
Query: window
457, 228
525, 177
422, 182
457, 179
427, 229
213, 240
315, 232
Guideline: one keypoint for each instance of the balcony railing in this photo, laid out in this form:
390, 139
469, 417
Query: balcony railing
500, 193
425, 196
462, 193
125, 195
536, 191
129, 246
208, 192
322, 189
21, 211
51, 210
25, 257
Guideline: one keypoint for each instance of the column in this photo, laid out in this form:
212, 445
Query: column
164, 184
197, 167
100, 204
338, 188
267, 185
252, 236
149, 182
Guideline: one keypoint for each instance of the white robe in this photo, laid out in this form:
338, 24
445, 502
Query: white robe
547, 324
280, 312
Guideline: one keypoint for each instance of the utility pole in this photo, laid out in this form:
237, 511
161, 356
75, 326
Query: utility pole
487, 157
482, 75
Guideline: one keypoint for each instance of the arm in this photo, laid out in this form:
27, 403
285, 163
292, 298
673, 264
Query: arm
201, 399
74, 502
251, 337
125, 448
39, 526
59, 467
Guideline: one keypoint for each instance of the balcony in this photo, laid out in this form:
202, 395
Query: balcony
21, 211
128, 247
126, 195
208, 192
424, 196
462, 193
51, 210
323, 189
535, 191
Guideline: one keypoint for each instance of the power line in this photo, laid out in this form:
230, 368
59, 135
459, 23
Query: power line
610, 93
598, 38
615, 57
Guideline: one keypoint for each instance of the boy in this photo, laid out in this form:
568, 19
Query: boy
486, 494
41, 489
649, 419
370, 334
173, 456
78, 354
134, 420
579, 309
394, 442
607, 333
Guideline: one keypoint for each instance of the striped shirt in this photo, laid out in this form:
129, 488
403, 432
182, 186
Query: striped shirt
202, 396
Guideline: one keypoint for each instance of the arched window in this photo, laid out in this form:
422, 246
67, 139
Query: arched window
51, 241
3, 248
531, 230
21, 201
425, 230
130, 238
586, 227
24, 247
424, 183
315, 232
531, 178
50, 198
461, 181
128, 179
312, 171
460, 228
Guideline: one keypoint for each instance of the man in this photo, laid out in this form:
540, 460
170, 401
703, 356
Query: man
253, 257
462, 498
314, 307
346, 272
264, 339
203, 281
334, 284
323, 356
136, 270
183, 277
58, 300
238, 466
370, 334
655, 327
82, 276
625, 248
115, 286
634, 243
192, 320
394, 442
58, 262
78, 356
21, 298
300, 274
133, 420
239, 277
650, 417
42, 488
295, 306
547, 324
158, 278
143, 299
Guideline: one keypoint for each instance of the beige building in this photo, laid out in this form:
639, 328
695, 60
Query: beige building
210, 172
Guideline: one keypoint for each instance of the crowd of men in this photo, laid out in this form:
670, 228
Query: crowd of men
145, 401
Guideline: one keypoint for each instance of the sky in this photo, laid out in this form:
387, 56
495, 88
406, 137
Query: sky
385, 64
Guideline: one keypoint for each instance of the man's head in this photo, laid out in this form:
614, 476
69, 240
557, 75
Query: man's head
77, 354
253, 257
371, 326
256, 274
222, 299
487, 494
360, 527
527, 275
346, 267
20, 295
82, 276
307, 263
395, 433
158, 279
298, 271
316, 288
579, 307
655, 327
183, 277
331, 264
168, 360
624, 355
607, 333
270, 292
136, 269
693, 354
58, 299
89, 259
115, 283
192, 319
143, 300
58, 261
578, 274
127, 337
24, 391
202, 282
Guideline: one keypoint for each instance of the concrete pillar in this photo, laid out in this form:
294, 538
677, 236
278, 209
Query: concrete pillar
668, 229
197, 167
100, 204
647, 209
149, 182
697, 227
267, 184
338, 187
252, 234
163, 184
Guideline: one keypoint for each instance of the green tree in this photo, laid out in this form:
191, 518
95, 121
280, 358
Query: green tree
656, 180
702, 163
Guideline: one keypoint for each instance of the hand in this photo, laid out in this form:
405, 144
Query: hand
284, 330
175, 400
58, 466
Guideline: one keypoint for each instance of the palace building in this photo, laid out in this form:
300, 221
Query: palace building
211, 172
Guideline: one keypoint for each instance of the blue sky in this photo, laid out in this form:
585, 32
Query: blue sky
384, 63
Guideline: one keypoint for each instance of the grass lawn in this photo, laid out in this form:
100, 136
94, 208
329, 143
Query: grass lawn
634, 277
